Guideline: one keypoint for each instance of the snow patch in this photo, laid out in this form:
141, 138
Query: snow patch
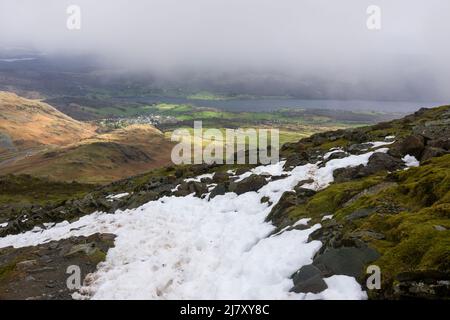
117, 196
410, 161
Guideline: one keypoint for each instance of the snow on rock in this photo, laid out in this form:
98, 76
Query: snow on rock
275, 169
117, 196
380, 143
192, 248
327, 217
410, 161
332, 151
199, 178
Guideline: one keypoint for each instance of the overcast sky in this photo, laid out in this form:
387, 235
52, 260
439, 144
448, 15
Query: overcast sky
300, 39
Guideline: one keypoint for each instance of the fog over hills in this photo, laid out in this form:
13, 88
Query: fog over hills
305, 49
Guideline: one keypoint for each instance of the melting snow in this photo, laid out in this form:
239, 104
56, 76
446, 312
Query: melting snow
191, 248
410, 161
199, 178
117, 196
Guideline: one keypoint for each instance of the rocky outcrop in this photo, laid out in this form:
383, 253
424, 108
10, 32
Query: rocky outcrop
251, 183
41, 272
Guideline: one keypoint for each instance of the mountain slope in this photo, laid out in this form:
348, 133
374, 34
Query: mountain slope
307, 227
100, 159
28, 123
37, 139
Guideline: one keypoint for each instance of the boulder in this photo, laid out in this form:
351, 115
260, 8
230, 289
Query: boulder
252, 183
380, 161
186, 188
220, 177
412, 145
278, 213
308, 280
360, 213
348, 174
359, 148
219, 190
443, 143
432, 152
349, 261
138, 199
296, 159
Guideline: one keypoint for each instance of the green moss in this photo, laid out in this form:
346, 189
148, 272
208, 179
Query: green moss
97, 256
329, 200
6, 270
24, 190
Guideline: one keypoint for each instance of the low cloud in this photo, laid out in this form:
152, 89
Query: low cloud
312, 47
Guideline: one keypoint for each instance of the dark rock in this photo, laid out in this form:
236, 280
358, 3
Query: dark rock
432, 152
265, 199
380, 161
308, 279
186, 188
412, 145
137, 200
424, 284
367, 235
303, 194
360, 213
219, 190
220, 177
337, 155
240, 170
349, 261
278, 213
206, 180
359, 148
296, 159
442, 143
251, 183
348, 174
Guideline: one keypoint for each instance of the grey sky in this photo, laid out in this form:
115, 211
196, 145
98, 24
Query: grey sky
299, 39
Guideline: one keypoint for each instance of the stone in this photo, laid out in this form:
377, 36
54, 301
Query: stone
432, 152
349, 261
442, 143
380, 161
296, 159
347, 174
308, 280
412, 145
359, 148
360, 213
220, 177
278, 213
252, 183
219, 190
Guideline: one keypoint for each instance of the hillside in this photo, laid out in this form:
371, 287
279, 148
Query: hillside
38, 140
100, 159
304, 228
26, 124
